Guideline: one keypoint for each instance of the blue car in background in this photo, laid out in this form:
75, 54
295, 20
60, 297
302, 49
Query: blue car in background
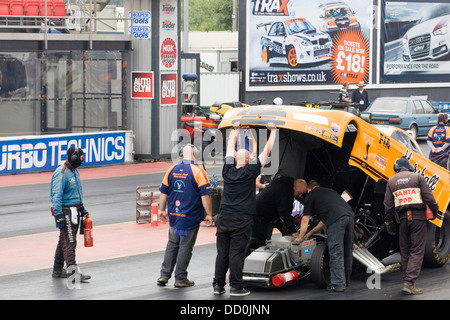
407, 113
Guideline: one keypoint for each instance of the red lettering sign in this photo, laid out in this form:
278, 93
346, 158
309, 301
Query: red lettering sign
142, 85
168, 89
168, 53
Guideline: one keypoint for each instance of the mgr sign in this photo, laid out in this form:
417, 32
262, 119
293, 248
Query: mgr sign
142, 85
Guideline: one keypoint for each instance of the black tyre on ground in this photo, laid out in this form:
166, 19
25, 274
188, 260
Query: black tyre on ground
437, 251
320, 266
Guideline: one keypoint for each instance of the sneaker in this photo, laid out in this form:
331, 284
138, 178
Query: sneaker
218, 290
162, 281
410, 288
185, 283
239, 292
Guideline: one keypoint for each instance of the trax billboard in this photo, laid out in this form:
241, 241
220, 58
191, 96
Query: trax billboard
41, 153
298, 43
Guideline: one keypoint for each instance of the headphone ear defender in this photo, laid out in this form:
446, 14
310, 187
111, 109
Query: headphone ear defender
74, 155
396, 167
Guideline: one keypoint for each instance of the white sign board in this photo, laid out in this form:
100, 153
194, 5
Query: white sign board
142, 24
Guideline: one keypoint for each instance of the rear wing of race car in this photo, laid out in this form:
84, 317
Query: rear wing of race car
266, 25
330, 4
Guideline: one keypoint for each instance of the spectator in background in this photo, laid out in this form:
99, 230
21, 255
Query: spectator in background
344, 96
438, 140
360, 96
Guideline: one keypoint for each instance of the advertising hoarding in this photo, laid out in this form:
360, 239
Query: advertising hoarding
40, 153
298, 43
415, 41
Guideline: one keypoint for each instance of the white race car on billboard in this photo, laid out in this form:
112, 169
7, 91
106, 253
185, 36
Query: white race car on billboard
336, 16
295, 40
430, 38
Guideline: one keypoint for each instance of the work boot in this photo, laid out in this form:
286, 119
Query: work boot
333, 288
185, 283
410, 288
59, 273
162, 281
83, 277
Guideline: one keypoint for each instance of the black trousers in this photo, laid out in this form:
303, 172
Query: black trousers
233, 234
65, 250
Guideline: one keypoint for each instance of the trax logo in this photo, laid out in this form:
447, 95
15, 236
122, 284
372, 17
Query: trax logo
142, 85
271, 7
168, 89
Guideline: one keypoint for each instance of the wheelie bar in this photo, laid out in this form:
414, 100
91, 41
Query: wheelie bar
370, 261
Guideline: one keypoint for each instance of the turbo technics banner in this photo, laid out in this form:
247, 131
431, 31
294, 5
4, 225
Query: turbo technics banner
42, 153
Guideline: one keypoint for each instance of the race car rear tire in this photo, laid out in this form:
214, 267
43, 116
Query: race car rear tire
320, 266
437, 250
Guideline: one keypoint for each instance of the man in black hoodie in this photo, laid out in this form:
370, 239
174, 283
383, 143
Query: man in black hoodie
274, 205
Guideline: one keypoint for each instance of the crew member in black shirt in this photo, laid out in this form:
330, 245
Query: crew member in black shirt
237, 208
272, 203
337, 216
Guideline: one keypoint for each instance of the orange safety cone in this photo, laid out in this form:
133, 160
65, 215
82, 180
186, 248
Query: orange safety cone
283, 278
154, 214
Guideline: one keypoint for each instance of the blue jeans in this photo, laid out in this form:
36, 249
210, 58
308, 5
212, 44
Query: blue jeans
178, 253
340, 248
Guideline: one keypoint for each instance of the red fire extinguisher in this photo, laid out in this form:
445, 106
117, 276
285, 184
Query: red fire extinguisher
283, 278
88, 240
154, 214
429, 213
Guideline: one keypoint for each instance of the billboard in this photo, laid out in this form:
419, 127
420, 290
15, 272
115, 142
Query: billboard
415, 41
297, 44
40, 153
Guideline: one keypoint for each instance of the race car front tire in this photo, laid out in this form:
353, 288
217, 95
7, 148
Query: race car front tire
320, 266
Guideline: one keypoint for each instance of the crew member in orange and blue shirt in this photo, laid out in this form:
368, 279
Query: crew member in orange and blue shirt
186, 192
438, 140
